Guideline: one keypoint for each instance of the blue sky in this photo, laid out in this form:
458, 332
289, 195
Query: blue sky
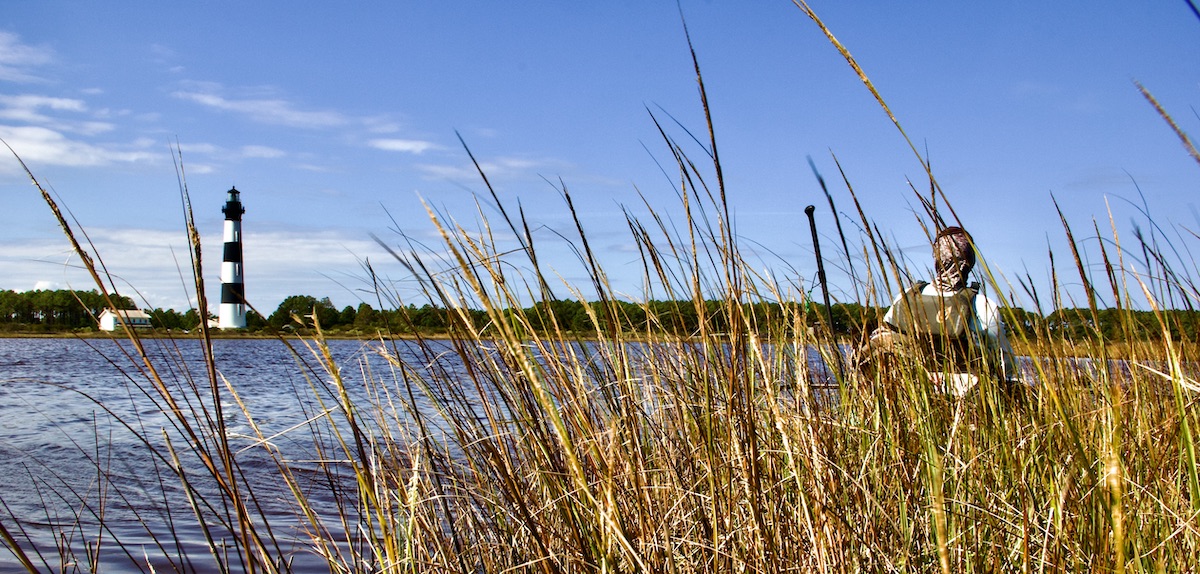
336, 122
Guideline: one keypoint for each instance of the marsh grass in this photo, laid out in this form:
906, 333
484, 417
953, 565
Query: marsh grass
514, 446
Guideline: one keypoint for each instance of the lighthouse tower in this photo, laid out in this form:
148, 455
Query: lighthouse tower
233, 293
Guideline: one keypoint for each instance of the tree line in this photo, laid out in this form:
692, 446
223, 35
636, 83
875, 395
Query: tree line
684, 318
66, 310
55, 309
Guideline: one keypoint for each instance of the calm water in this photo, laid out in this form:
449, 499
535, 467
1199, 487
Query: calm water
68, 406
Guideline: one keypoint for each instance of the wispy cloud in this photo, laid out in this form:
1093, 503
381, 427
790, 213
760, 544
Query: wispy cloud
263, 105
314, 168
262, 151
499, 168
30, 102
221, 154
402, 145
381, 125
50, 147
273, 111
17, 59
199, 148
29, 109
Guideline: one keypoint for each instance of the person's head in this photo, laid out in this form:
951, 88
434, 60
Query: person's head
953, 258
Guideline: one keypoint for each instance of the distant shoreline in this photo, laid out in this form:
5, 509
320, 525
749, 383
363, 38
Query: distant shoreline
1063, 347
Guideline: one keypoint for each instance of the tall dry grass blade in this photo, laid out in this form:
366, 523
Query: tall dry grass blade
1191, 462
85, 257
1088, 289
712, 135
250, 549
837, 220
871, 242
1183, 137
228, 474
862, 76
733, 290
11, 544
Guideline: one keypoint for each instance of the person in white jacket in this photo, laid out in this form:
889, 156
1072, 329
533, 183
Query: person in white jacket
948, 327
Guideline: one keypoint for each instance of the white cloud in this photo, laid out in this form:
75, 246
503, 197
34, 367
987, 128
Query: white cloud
140, 260
29, 109
301, 262
199, 168
499, 168
315, 168
153, 265
16, 59
261, 151
402, 145
268, 111
33, 101
94, 128
276, 252
381, 125
197, 148
47, 146
448, 172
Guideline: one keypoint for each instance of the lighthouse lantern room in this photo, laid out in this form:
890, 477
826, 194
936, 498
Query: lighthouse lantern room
233, 292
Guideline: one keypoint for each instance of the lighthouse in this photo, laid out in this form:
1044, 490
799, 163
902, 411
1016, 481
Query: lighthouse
233, 292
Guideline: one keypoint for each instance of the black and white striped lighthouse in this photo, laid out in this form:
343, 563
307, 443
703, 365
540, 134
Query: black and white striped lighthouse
233, 292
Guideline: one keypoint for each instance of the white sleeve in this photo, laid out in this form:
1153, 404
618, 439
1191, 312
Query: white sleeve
991, 330
891, 317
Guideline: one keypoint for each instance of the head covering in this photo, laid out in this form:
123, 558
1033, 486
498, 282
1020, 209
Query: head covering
953, 259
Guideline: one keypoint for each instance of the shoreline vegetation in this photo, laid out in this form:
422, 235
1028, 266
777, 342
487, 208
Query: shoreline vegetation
505, 446
66, 313
1061, 349
1126, 334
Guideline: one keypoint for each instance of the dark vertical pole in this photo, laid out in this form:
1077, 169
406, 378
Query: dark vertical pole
812, 224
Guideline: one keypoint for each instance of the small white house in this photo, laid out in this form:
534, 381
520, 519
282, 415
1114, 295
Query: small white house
135, 318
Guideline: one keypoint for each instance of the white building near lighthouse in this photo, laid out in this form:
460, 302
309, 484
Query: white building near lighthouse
135, 318
233, 293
